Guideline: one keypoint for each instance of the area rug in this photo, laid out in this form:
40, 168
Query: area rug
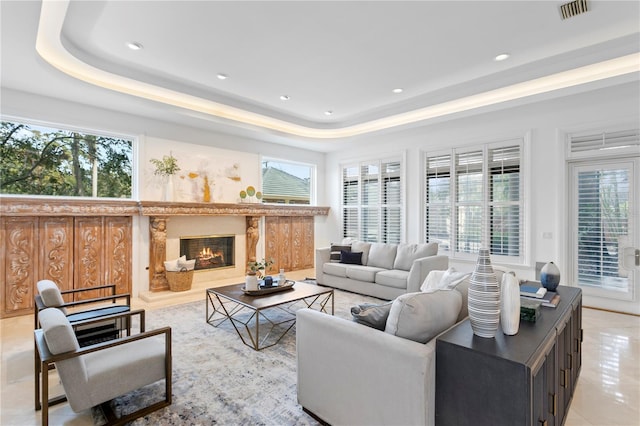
217, 380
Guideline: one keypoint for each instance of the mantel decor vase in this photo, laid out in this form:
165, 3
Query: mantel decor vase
510, 304
168, 189
484, 298
550, 276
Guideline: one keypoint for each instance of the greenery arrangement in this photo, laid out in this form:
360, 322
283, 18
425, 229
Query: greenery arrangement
167, 166
258, 267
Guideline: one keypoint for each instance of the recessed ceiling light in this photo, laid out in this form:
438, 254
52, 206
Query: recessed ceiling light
222, 76
284, 97
398, 90
328, 112
134, 45
502, 57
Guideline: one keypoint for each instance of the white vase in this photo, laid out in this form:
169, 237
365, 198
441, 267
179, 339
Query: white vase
167, 195
251, 283
510, 304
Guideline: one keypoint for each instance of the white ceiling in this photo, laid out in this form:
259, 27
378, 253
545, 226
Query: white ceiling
343, 56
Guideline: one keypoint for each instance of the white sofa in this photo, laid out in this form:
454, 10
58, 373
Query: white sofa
352, 374
387, 270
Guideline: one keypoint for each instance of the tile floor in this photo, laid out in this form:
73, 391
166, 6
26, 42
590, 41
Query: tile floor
608, 391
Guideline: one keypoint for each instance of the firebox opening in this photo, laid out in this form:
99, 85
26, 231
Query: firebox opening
210, 251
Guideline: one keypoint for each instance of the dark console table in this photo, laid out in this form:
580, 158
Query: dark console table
526, 379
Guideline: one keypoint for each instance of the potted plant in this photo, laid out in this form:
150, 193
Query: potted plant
257, 268
167, 167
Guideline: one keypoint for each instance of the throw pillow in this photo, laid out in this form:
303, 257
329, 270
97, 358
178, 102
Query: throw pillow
335, 251
372, 315
422, 316
362, 247
351, 258
452, 278
186, 264
432, 280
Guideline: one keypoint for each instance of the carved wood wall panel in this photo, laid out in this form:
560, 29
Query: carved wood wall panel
290, 242
20, 256
72, 252
56, 252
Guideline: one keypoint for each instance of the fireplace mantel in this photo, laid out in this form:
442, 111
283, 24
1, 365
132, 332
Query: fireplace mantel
41, 206
160, 208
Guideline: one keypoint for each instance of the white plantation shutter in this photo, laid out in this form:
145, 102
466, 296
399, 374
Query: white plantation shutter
469, 201
604, 141
372, 201
603, 218
474, 198
505, 202
438, 201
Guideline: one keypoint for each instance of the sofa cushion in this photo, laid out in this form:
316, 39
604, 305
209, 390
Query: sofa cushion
392, 278
407, 253
335, 269
382, 255
351, 257
363, 273
422, 316
335, 251
372, 315
363, 247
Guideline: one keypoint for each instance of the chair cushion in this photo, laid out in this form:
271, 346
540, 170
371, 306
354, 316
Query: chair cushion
372, 315
422, 316
382, 255
407, 253
50, 294
57, 331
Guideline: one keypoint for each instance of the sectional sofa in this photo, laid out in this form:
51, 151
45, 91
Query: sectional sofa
380, 270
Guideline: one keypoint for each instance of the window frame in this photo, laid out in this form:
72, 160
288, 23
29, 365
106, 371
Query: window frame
485, 203
135, 154
312, 178
381, 208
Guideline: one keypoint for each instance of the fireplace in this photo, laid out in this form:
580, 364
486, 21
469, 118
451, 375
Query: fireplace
210, 251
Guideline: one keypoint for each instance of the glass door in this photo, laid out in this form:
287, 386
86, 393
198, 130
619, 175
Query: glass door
605, 237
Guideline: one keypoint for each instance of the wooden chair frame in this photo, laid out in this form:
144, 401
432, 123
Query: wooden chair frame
44, 359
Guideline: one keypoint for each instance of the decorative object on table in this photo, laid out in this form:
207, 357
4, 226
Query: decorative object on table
167, 167
259, 267
251, 281
549, 300
484, 298
532, 291
261, 291
268, 281
281, 276
510, 304
529, 310
550, 276
179, 273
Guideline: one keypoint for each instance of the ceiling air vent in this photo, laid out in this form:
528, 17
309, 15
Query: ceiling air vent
573, 8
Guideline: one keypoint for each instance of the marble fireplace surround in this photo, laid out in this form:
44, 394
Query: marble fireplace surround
244, 217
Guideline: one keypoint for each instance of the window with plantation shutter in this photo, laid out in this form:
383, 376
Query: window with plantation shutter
438, 201
474, 199
372, 202
604, 141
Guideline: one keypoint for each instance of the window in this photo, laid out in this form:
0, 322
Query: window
286, 183
473, 199
40, 160
372, 202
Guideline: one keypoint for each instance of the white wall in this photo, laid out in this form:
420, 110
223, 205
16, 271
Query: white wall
543, 123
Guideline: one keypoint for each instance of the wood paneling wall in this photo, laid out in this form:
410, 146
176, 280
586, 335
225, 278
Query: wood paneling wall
289, 241
74, 252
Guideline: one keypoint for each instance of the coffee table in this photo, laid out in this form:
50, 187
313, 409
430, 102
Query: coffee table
271, 314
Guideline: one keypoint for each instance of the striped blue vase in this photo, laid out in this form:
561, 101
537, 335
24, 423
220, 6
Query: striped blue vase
484, 298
